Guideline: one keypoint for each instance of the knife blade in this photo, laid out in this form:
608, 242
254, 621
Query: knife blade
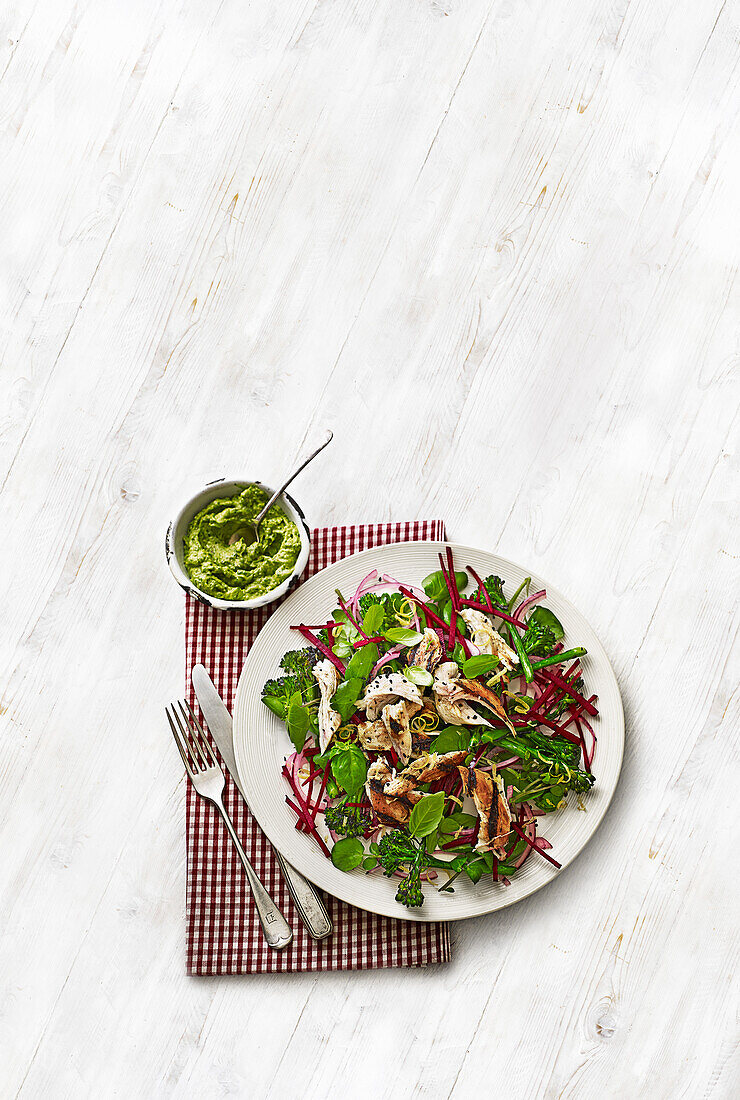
308, 901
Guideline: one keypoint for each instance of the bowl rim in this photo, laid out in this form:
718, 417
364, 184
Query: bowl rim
199, 499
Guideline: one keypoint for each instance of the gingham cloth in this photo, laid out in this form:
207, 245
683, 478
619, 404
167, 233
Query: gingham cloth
224, 936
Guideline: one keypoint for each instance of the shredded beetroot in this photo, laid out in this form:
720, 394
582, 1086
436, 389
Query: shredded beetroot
311, 637
481, 587
531, 843
306, 814
563, 685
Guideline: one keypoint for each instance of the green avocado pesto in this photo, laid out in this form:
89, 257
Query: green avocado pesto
231, 570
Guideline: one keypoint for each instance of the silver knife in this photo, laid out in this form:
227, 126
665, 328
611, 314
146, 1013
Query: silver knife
308, 901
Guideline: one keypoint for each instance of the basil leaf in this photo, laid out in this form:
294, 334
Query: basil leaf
374, 618
543, 617
362, 661
344, 700
347, 854
427, 814
476, 666
435, 586
400, 635
349, 768
297, 721
450, 740
420, 676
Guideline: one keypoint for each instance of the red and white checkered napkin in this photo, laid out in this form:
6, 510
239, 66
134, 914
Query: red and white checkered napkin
224, 936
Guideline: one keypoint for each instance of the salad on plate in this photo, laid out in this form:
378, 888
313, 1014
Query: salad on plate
433, 728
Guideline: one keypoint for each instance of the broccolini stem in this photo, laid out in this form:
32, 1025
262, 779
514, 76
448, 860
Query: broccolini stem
558, 658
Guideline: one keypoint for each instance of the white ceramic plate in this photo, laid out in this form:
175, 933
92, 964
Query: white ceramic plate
261, 742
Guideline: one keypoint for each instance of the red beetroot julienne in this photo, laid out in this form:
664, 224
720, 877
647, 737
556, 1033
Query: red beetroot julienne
585, 704
308, 818
481, 587
311, 637
523, 836
452, 589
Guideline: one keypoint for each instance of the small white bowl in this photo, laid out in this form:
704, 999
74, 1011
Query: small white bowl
174, 543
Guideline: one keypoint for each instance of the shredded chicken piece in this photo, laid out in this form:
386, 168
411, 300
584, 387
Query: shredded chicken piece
427, 654
389, 809
373, 736
493, 810
486, 639
327, 677
388, 688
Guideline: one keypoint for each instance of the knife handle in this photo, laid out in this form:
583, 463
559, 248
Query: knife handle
307, 900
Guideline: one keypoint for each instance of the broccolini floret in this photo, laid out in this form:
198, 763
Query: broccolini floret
538, 640
347, 820
398, 851
300, 663
367, 601
495, 588
276, 694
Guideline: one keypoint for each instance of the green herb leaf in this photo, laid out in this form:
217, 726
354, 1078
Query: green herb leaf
475, 870
347, 854
451, 824
476, 666
369, 862
420, 676
361, 662
374, 618
344, 700
297, 721
451, 739
435, 587
427, 814
342, 650
349, 767
401, 635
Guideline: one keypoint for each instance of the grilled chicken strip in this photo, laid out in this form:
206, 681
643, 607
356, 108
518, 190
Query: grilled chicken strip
327, 678
433, 766
493, 810
451, 690
449, 699
427, 654
373, 736
487, 639
389, 809
388, 688
395, 718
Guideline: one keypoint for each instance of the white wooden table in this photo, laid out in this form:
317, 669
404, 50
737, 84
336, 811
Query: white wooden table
494, 245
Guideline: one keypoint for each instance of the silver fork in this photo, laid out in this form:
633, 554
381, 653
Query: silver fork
208, 779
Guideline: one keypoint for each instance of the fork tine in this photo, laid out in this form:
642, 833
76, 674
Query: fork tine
203, 739
180, 747
196, 752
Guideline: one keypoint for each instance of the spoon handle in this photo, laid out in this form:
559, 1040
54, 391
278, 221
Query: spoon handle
261, 515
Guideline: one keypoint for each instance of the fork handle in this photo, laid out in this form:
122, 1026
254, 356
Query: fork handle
274, 925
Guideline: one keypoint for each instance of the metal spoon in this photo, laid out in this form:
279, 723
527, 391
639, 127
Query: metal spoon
251, 532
